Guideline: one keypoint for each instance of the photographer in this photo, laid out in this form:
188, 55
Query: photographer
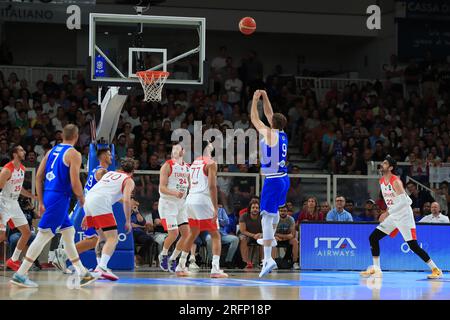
140, 227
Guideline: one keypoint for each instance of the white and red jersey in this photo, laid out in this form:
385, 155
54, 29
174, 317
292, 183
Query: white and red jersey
12, 188
387, 189
178, 178
199, 176
110, 186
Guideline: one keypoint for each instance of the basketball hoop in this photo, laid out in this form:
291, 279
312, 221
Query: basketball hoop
152, 82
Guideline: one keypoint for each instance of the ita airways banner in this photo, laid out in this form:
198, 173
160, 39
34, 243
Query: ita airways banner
345, 246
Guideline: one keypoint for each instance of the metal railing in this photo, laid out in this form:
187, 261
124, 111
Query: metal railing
322, 85
33, 74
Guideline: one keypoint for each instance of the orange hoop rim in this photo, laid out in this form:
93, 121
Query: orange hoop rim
150, 76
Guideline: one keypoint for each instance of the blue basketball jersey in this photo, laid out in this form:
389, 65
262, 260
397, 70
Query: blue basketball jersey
57, 173
273, 159
91, 180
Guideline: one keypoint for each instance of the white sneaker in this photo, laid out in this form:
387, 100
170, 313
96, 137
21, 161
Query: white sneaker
261, 242
267, 267
217, 273
372, 271
182, 272
193, 267
296, 266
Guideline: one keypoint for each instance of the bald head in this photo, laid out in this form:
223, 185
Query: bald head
435, 208
177, 152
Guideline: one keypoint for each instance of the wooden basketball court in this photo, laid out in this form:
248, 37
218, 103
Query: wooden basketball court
241, 285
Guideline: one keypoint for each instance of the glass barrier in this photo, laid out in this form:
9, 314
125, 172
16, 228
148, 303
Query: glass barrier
308, 185
357, 188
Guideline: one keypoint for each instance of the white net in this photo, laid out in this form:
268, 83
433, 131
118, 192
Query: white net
152, 82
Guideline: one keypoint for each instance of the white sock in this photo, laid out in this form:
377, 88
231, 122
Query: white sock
16, 254
183, 259
24, 267
216, 262
164, 251
431, 264
175, 254
267, 253
98, 260
376, 262
104, 261
79, 268
192, 258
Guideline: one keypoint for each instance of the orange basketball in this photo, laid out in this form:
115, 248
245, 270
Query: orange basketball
247, 25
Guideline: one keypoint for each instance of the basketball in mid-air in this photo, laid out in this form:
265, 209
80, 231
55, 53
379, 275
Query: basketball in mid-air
247, 25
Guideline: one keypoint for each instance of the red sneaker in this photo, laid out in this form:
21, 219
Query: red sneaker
249, 266
13, 265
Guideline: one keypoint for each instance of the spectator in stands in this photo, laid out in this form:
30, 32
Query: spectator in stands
226, 238
285, 236
4, 150
324, 208
217, 66
243, 187
350, 206
250, 230
443, 197
311, 212
31, 160
243, 122
417, 214
426, 209
418, 197
339, 213
366, 214
140, 235
156, 228
435, 216
233, 87
50, 87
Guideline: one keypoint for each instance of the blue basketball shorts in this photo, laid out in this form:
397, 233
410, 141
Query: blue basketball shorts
274, 192
56, 214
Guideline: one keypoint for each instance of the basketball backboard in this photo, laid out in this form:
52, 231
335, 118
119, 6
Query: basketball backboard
120, 45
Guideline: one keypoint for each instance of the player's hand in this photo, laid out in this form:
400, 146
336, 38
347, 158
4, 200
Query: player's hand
41, 210
84, 224
263, 93
216, 214
180, 195
128, 227
383, 216
256, 95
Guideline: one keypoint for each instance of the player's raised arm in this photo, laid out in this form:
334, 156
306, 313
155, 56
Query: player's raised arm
5, 174
127, 203
268, 111
256, 121
39, 182
74, 161
164, 180
212, 183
